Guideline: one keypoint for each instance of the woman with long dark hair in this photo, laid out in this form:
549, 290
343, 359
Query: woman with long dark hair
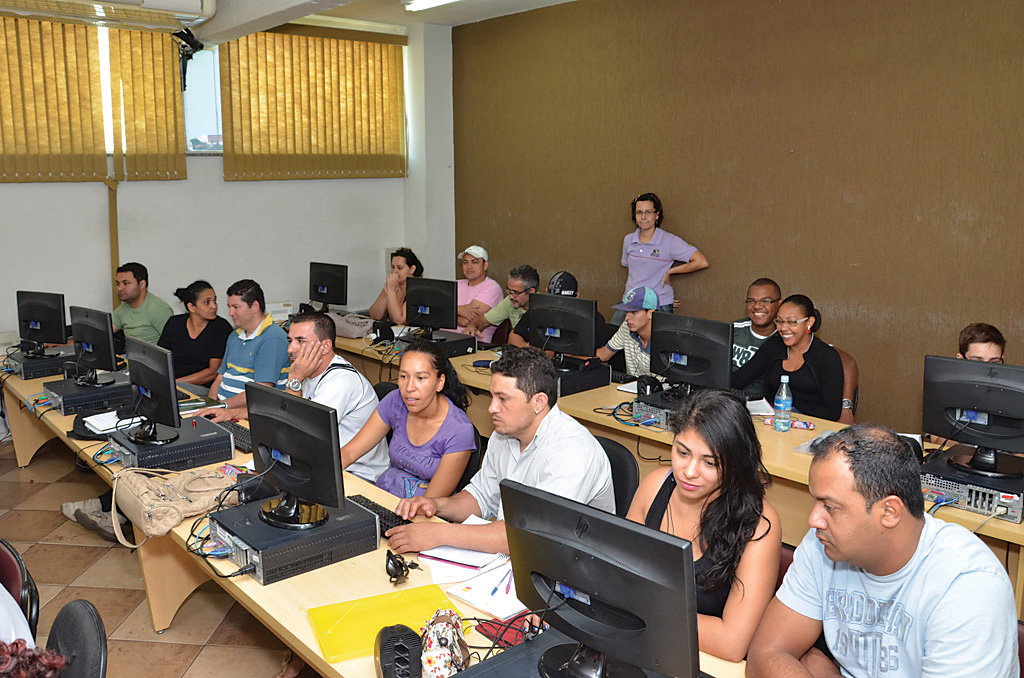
714, 497
390, 303
433, 437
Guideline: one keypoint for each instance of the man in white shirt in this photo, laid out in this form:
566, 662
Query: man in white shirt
533, 442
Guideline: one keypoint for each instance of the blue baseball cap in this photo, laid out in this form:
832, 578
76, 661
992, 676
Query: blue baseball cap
638, 299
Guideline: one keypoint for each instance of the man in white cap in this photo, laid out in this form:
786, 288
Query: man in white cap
477, 293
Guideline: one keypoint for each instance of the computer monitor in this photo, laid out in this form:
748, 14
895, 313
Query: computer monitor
93, 333
623, 590
297, 440
692, 351
431, 304
151, 373
40, 321
565, 325
328, 284
976, 403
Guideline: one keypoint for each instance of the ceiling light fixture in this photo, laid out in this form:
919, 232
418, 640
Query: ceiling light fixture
418, 5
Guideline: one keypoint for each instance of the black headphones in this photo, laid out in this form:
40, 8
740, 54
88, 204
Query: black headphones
397, 568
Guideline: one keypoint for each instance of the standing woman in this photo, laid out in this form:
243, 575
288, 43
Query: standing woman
390, 303
197, 338
714, 497
433, 437
814, 368
650, 254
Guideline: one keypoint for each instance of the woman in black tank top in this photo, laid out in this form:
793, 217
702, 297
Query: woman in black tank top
714, 497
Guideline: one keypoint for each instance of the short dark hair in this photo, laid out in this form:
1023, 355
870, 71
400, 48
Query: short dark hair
410, 260
190, 293
806, 307
249, 291
528, 274
766, 282
323, 326
647, 197
883, 464
533, 371
980, 333
137, 270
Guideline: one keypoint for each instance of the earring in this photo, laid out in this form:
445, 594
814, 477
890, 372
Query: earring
808, 330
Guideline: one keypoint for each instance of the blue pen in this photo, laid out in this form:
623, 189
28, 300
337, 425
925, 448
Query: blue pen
507, 575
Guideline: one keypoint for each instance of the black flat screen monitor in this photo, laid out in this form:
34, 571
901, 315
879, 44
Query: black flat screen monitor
692, 351
976, 403
328, 284
431, 303
297, 439
621, 589
40, 321
565, 325
151, 373
94, 345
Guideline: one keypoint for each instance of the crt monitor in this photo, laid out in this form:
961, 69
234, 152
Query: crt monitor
431, 303
692, 351
623, 590
93, 333
40, 321
565, 325
328, 284
151, 373
976, 403
297, 440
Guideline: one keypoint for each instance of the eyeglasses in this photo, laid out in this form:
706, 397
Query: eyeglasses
516, 293
987, 360
761, 302
645, 213
779, 322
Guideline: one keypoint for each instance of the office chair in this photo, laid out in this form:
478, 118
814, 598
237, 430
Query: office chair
382, 389
475, 460
78, 634
14, 577
625, 473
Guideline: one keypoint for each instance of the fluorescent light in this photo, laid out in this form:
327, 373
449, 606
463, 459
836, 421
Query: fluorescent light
418, 5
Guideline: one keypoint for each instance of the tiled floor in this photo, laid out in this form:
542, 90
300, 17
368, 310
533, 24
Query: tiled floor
211, 634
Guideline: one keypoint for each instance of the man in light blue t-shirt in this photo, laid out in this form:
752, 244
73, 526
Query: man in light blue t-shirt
896, 593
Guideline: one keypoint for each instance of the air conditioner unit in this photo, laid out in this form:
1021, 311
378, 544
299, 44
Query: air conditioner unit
163, 16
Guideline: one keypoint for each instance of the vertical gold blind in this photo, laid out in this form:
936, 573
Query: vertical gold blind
303, 107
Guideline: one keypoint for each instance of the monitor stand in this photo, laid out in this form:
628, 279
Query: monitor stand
36, 349
580, 661
986, 461
90, 378
152, 433
291, 513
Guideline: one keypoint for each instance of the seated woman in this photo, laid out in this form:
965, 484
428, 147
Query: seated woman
433, 437
815, 369
390, 303
197, 338
714, 497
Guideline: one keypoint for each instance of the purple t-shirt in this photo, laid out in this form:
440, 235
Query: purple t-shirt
487, 291
412, 466
649, 261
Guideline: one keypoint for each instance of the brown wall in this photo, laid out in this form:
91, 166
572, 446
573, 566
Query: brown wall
866, 153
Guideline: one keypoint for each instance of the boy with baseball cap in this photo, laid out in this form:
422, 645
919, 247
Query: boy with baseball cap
634, 335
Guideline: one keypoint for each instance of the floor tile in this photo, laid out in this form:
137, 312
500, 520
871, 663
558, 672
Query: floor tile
241, 629
58, 564
194, 623
118, 568
18, 525
7, 450
7, 465
12, 494
73, 533
236, 662
21, 546
46, 469
114, 605
152, 660
48, 592
52, 495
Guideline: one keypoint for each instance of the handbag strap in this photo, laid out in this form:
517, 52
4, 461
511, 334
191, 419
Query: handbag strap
113, 511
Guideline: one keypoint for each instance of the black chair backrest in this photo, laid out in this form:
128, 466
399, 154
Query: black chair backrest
15, 577
475, 460
625, 473
500, 335
78, 634
383, 388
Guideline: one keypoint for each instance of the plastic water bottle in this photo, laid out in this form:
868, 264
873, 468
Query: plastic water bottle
783, 406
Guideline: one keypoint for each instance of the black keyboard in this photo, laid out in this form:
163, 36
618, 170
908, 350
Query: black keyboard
388, 518
622, 377
243, 438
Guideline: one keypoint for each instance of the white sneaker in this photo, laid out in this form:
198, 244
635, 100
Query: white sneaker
68, 508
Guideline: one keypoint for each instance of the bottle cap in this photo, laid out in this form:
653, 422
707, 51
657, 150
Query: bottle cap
785, 379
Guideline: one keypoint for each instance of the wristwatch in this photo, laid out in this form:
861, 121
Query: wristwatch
296, 385
847, 404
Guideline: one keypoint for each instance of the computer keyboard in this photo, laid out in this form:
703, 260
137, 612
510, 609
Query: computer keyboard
388, 518
243, 438
622, 377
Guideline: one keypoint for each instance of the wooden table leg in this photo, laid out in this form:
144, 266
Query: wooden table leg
28, 432
170, 576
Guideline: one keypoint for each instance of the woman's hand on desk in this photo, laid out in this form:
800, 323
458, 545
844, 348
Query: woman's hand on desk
416, 536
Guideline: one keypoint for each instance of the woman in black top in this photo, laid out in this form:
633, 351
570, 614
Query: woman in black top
196, 338
815, 369
714, 497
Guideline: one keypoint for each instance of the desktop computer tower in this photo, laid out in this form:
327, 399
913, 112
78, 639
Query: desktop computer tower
452, 344
971, 492
200, 443
70, 398
575, 381
28, 367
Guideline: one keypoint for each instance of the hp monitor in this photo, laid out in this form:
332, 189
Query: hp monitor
691, 351
431, 303
151, 373
93, 333
40, 321
565, 325
328, 284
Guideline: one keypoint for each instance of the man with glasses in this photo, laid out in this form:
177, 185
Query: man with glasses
763, 299
979, 341
522, 282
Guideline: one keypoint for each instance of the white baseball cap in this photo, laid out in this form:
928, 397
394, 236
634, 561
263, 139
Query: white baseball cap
475, 251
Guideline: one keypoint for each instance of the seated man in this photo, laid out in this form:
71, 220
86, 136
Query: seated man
522, 282
763, 299
633, 335
477, 293
896, 592
141, 314
562, 284
533, 442
982, 342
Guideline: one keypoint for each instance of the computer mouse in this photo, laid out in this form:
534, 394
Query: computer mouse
208, 416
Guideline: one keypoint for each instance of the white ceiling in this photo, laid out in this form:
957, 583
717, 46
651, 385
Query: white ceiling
462, 12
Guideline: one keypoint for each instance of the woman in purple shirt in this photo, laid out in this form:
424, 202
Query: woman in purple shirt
433, 437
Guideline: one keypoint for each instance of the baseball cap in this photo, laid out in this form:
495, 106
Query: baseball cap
638, 299
564, 284
474, 251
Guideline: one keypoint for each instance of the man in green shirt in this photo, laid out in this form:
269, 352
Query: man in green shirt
522, 282
141, 314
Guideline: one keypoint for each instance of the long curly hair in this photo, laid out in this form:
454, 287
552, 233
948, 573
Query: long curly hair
18, 661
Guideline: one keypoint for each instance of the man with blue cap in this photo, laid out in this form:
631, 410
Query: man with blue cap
634, 335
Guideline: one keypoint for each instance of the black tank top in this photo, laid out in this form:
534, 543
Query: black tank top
711, 603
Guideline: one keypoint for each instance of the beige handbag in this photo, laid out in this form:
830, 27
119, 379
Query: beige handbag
157, 500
